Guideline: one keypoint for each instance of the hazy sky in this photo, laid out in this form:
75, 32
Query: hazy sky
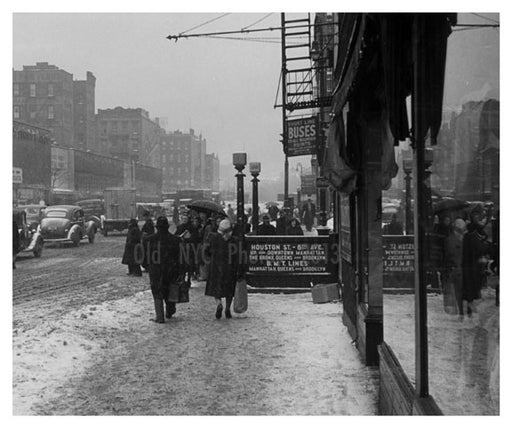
222, 88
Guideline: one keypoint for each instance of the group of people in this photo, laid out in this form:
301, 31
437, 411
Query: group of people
199, 244
468, 255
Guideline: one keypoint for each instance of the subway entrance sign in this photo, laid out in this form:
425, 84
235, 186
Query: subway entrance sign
302, 136
291, 262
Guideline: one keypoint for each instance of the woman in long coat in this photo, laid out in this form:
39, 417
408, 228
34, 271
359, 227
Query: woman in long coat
221, 255
130, 257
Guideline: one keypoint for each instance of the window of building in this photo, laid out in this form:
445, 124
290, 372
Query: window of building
463, 203
16, 112
50, 112
32, 89
16, 89
50, 89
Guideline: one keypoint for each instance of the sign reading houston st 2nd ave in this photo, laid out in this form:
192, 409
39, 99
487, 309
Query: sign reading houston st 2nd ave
301, 136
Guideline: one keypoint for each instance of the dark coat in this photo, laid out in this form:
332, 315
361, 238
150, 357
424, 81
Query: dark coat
222, 261
133, 239
266, 229
148, 228
297, 230
308, 214
474, 246
164, 263
281, 226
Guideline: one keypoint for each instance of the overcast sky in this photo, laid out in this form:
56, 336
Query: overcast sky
223, 88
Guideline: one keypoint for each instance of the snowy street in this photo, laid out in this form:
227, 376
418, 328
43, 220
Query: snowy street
83, 344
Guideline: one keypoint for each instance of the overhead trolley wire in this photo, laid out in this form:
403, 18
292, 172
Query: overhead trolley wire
258, 21
486, 17
205, 23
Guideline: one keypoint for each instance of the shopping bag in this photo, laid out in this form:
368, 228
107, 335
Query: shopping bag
240, 300
183, 287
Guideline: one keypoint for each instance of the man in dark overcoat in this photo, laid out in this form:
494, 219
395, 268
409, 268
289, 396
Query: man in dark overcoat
147, 229
308, 214
164, 269
131, 248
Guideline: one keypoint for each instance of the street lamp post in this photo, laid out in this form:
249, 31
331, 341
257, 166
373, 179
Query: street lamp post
407, 166
255, 169
239, 161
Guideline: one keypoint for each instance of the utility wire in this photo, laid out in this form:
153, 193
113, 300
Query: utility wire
485, 17
258, 21
241, 31
204, 23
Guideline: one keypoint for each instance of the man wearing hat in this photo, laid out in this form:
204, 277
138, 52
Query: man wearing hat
164, 269
266, 228
221, 257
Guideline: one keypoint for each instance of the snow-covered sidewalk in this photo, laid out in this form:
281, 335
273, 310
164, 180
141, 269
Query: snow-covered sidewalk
285, 356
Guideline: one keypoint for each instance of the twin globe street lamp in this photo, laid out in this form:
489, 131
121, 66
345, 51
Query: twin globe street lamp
239, 162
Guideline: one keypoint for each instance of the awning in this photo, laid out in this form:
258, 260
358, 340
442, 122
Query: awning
351, 27
335, 169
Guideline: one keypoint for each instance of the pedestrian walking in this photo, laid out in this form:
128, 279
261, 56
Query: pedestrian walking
294, 228
130, 255
147, 229
452, 284
164, 269
308, 214
222, 254
475, 255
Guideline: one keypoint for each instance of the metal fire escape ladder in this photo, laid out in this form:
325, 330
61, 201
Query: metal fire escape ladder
297, 71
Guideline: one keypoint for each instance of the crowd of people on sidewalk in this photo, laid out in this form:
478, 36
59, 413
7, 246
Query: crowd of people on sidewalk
175, 259
468, 258
203, 247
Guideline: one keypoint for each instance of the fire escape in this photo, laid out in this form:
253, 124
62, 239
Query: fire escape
302, 75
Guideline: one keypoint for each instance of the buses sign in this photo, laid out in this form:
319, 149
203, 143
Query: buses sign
301, 136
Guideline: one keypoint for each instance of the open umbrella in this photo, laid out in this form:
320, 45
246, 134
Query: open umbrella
449, 204
206, 206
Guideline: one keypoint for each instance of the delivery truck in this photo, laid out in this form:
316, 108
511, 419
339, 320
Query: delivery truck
120, 207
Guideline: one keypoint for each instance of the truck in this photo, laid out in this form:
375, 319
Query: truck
120, 207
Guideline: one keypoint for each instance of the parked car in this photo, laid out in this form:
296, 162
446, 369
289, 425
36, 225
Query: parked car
94, 209
66, 223
34, 214
29, 240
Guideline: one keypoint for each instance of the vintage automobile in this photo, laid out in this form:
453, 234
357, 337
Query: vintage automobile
94, 209
66, 223
29, 240
34, 214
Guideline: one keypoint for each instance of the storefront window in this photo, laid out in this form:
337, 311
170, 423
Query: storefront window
463, 317
462, 226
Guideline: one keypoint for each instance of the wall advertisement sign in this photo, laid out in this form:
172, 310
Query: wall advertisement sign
302, 136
